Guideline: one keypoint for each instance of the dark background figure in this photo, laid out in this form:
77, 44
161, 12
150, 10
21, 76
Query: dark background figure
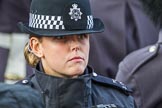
127, 28
19, 96
12, 63
142, 70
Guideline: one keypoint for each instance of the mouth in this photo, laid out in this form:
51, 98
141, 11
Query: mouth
77, 58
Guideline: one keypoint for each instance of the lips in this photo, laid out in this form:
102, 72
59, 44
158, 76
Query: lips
76, 58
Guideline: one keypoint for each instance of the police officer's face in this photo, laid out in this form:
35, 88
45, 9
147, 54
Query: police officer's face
65, 56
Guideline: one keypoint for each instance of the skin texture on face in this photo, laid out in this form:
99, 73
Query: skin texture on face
63, 56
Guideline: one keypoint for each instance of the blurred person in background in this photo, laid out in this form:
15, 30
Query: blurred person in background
12, 63
141, 70
127, 28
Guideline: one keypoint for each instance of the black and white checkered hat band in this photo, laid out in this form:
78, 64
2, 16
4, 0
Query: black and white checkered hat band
45, 22
52, 22
89, 22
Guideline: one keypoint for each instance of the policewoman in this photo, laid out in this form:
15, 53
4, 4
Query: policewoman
58, 49
142, 69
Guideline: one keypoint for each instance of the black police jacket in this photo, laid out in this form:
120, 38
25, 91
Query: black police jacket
87, 91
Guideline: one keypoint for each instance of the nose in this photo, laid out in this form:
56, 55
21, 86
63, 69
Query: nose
74, 43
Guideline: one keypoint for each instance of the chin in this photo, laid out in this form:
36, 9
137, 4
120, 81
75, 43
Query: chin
77, 71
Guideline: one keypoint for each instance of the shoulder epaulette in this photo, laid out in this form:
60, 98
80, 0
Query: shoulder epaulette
26, 81
113, 83
142, 56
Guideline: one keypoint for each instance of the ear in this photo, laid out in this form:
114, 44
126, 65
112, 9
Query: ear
36, 47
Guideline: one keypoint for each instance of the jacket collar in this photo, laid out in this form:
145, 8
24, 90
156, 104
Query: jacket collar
61, 92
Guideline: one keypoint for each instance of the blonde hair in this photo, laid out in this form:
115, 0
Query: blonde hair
30, 57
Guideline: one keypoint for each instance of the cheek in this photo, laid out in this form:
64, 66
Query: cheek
87, 47
86, 50
52, 58
51, 53
54, 54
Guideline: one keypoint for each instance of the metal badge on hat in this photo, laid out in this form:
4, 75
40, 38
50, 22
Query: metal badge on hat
75, 12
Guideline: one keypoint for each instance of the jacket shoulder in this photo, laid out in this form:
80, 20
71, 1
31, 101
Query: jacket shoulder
137, 58
26, 81
105, 81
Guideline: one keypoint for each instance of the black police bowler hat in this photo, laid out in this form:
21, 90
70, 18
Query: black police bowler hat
61, 17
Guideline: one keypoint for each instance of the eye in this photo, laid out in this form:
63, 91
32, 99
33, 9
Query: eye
83, 36
60, 37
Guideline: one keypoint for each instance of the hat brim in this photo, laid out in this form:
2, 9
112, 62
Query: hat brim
98, 27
